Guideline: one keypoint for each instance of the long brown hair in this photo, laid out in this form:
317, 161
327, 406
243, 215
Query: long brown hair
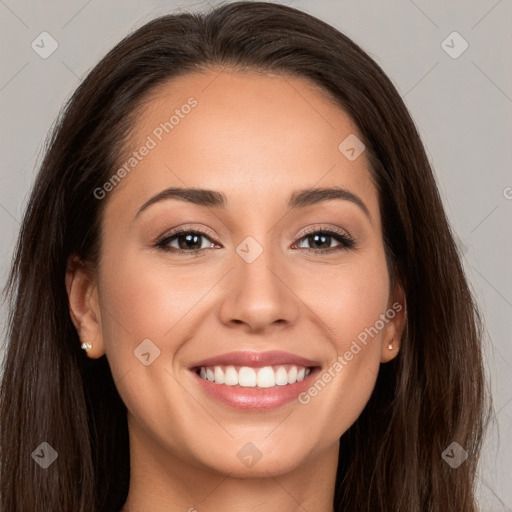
432, 394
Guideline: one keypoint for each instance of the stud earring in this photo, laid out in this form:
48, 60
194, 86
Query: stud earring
390, 346
87, 346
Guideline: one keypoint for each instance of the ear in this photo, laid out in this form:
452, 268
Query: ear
396, 315
84, 305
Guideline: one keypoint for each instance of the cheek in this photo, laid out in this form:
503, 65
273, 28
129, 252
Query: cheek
143, 298
351, 304
142, 307
134, 308
349, 298
362, 300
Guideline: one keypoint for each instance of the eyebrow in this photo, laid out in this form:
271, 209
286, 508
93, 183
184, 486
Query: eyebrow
214, 199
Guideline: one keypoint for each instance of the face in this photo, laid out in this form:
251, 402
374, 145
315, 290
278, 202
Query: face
257, 268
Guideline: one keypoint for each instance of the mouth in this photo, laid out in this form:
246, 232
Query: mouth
254, 381
255, 389
258, 377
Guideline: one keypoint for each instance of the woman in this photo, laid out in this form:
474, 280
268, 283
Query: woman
321, 351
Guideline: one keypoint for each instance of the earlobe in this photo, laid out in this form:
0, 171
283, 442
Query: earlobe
390, 351
84, 306
397, 316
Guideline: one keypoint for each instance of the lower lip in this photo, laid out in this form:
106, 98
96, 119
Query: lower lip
245, 398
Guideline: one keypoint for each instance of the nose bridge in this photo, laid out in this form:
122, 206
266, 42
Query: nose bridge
258, 259
257, 265
258, 295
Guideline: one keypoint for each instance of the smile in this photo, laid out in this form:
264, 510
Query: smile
251, 377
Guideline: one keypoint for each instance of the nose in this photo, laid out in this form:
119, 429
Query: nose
260, 295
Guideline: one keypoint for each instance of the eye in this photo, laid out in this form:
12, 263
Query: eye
189, 241
324, 237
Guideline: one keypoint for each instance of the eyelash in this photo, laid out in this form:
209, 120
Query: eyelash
346, 241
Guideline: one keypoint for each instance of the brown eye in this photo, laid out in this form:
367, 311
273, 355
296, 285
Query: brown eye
320, 240
188, 241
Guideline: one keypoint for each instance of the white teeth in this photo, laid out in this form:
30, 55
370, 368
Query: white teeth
231, 376
247, 377
292, 375
219, 375
266, 377
281, 376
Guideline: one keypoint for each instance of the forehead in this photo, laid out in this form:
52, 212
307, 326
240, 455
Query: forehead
249, 134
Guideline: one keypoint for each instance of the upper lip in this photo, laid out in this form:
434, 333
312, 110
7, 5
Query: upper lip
246, 358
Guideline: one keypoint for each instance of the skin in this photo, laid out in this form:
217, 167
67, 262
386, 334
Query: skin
256, 138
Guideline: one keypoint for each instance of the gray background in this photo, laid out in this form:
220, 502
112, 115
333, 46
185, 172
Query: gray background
462, 107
